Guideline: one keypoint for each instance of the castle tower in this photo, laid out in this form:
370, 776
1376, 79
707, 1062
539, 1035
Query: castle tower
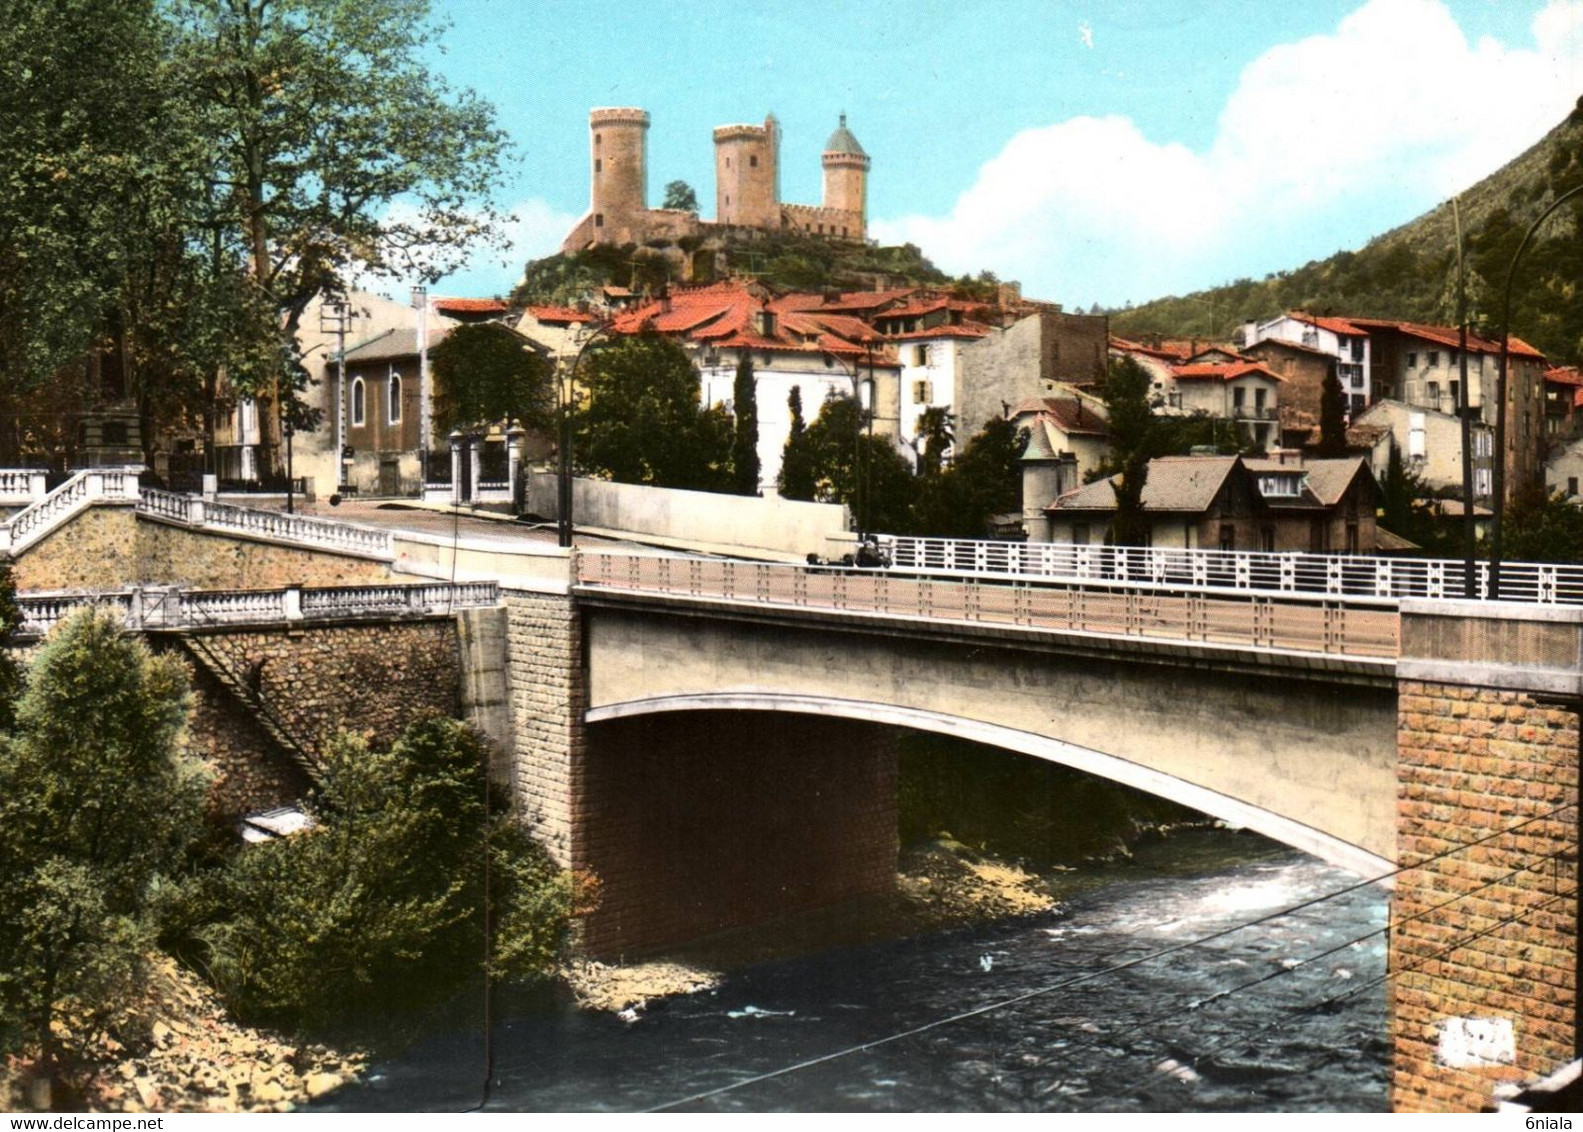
619, 152
747, 181
846, 175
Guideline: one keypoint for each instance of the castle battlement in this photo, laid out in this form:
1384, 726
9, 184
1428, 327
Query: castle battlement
747, 185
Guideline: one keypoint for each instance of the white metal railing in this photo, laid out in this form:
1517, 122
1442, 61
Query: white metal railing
304, 530
27, 526
175, 608
1333, 575
1358, 627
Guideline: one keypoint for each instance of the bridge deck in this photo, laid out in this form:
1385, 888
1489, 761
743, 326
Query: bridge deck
1352, 628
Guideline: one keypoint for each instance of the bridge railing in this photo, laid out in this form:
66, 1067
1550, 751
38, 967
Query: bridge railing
1366, 628
305, 530
175, 608
1334, 575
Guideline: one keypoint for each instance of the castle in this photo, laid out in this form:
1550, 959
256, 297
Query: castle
747, 186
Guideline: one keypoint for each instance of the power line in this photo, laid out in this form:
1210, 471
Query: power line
1115, 968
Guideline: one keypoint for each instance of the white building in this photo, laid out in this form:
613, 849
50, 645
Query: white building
1345, 341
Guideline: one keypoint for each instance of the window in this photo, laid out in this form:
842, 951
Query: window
1228, 537
599, 164
1572, 485
753, 161
1415, 436
1238, 396
1456, 393
393, 401
1434, 393
1412, 359
920, 355
359, 402
1267, 538
1482, 483
1352, 538
922, 392
1258, 399
1434, 357
599, 220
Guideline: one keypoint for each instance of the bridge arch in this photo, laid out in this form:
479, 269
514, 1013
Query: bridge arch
1126, 772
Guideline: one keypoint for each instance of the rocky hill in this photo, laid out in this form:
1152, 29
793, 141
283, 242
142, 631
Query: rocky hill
785, 261
1408, 272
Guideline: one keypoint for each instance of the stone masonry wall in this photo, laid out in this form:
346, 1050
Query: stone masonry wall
1468, 940
548, 689
178, 556
696, 822
96, 550
370, 680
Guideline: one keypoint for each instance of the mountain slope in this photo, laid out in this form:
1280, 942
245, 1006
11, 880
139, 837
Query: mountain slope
1409, 272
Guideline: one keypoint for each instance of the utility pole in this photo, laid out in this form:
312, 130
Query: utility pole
420, 302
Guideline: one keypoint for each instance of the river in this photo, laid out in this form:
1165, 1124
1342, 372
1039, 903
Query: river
1119, 1031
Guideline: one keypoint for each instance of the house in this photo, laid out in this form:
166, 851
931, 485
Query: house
1421, 366
1303, 371
1028, 359
1430, 445
1232, 503
1563, 393
793, 340
1068, 437
1345, 340
931, 374
1241, 391
383, 414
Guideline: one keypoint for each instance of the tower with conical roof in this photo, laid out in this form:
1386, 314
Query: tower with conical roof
846, 175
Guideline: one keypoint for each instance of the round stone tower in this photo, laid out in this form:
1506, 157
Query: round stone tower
846, 175
619, 152
747, 184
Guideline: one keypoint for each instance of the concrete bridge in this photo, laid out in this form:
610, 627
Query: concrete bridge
713, 737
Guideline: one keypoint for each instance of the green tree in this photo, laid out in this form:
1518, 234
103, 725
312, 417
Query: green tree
935, 436
1332, 416
642, 422
333, 147
1541, 527
847, 464
384, 903
985, 480
797, 472
487, 372
97, 807
679, 194
1133, 441
745, 434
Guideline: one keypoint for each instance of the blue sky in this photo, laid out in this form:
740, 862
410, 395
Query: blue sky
1105, 152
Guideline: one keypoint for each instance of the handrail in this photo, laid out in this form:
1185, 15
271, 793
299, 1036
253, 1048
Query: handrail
308, 530
32, 523
1243, 571
1304, 623
176, 608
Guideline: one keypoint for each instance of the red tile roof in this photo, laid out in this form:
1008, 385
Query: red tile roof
868, 300
960, 330
551, 313
475, 306
1450, 336
1564, 375
1326, 322
1221, 371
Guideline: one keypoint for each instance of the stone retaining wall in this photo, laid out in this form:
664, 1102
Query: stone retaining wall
549, 694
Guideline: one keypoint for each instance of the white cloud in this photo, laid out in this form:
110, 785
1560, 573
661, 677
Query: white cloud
1394, 107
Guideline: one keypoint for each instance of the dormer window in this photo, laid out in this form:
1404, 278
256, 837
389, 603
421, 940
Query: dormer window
1281, 485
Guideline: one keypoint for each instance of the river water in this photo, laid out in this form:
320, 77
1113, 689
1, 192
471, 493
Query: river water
1119, 1031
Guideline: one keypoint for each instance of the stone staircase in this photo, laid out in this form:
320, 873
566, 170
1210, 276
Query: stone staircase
252, 700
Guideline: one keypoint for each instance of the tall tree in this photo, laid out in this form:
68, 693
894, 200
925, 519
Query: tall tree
745, 434
487, 372
985, 480
642, 421
848, 465
97, 805
334, 147
934, 438
797, 473
1133, 441
1332, 416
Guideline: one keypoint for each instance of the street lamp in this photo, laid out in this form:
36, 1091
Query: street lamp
1499, 470
566, 396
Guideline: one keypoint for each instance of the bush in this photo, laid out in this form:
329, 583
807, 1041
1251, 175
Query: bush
383, 904
97, 810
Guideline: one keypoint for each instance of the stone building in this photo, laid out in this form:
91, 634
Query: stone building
1027, 360
747, 186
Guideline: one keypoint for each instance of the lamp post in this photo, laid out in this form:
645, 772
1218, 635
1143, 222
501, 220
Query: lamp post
566, 394
1499, 485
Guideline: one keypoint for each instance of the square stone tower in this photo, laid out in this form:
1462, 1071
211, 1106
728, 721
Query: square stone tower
747, 180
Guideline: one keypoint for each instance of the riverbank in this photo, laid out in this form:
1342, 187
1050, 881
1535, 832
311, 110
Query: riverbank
176, 1050
940, 884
